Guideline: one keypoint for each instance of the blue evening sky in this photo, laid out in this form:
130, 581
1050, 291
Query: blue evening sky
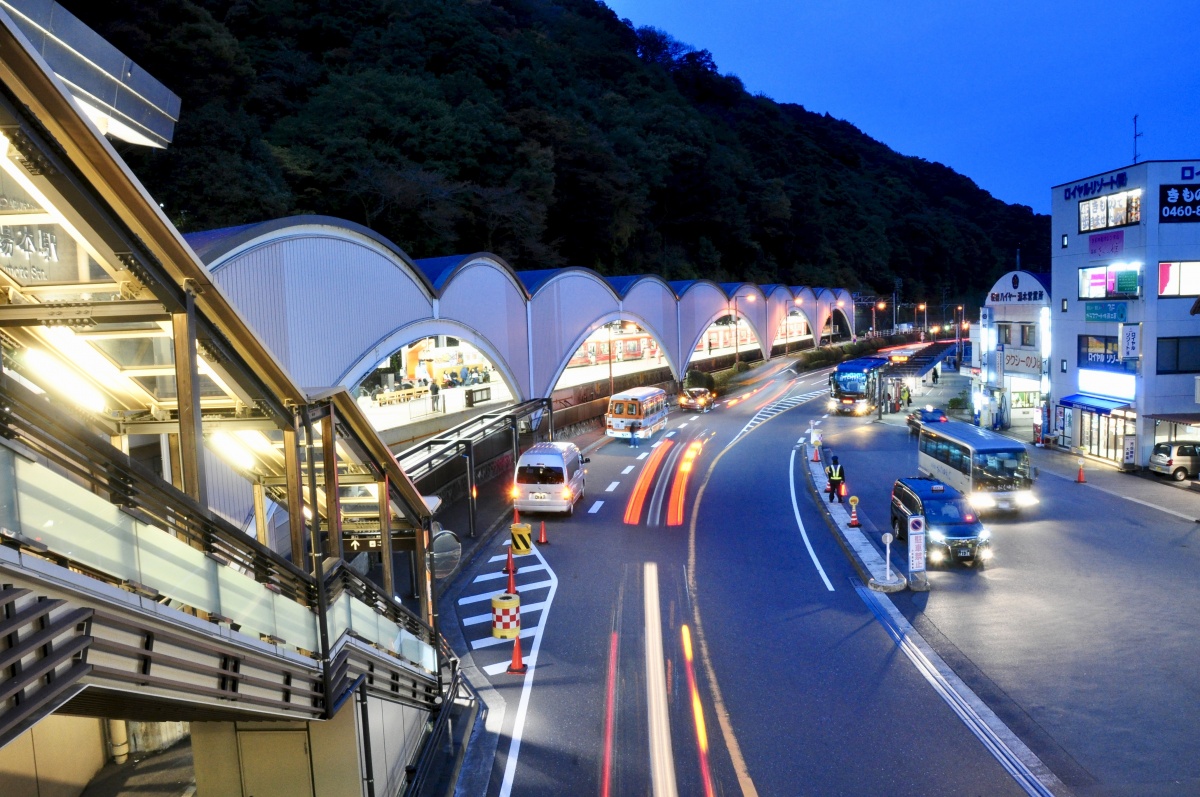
1018, 95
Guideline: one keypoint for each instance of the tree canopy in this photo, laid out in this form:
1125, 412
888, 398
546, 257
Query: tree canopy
549, 132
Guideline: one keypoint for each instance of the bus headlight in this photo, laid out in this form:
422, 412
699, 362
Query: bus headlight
833, 405
1026, 498
982, 500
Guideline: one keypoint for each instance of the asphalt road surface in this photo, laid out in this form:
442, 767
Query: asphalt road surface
695, 628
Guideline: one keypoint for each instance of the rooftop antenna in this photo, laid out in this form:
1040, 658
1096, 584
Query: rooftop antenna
1136, 136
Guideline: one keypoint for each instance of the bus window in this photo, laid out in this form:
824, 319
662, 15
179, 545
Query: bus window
617, 408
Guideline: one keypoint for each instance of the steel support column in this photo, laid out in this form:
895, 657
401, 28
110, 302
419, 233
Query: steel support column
333, 500
295, 498
385, 536
187, 391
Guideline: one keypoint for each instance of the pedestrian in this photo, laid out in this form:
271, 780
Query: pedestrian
837, 477
710, 347
887, 401
935, 375
433, 394
633, 430
907, 396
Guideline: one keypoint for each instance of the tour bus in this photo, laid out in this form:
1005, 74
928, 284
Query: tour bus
854, 385
647, 406
991, 470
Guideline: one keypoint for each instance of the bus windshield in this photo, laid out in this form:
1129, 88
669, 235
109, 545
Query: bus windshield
850, 382
1001, 470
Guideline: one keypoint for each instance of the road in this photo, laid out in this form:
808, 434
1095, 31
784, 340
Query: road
793, 686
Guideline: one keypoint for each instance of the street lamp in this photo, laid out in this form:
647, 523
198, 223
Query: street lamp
925, 310
874, 326
736, 324
958, 334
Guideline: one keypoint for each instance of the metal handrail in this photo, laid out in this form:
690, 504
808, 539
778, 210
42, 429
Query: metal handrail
341, 579
420, 771
70, 445
430, 454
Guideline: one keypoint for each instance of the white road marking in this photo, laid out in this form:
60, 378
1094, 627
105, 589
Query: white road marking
680, 426
496, 669
612, 487
491, 641
502, 574
479, 619
800, 523
646, 454
662, 761
627, 471
514, 748
487, 596
595, 507
668, 434
774, 408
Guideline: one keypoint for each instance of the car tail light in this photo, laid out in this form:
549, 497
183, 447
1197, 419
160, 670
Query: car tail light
1170, 462
566, 493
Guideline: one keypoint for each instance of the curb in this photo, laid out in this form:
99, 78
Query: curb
873, 576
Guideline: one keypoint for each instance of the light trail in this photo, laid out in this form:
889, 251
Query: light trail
633, 509
662, 760
609, 704
697, 712
679, 487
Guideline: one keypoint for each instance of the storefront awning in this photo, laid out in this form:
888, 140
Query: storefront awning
1189, 418
1104, 406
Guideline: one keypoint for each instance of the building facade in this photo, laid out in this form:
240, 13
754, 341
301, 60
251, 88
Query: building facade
1010, 382
1126, 274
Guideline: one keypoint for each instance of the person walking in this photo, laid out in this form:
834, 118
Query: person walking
837, 477
935, 375
633, 430
906, 395
433, 394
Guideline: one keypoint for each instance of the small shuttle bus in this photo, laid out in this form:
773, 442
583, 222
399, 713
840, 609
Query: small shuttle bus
854, 385
991, 470
645, 406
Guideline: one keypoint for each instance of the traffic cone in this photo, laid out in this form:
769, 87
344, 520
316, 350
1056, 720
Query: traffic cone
828, 487
512, 579
816, 453
542, 537
508, 567
518, 664
854, 516
516, 516
1079, 479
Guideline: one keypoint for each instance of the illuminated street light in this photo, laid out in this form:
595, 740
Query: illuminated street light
924, 309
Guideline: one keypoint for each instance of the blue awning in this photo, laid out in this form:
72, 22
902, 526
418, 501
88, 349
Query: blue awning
1104, 406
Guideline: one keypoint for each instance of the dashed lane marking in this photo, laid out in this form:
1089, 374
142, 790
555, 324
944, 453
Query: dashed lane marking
628, 470
646, 454
612, 487
595, 507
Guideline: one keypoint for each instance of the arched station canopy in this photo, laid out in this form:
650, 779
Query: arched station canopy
332, 299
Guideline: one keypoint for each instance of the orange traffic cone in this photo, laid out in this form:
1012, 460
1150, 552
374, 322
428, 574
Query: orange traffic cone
1079, 479
512, 579
854, 516
518, 664
816, 454
542, 537
828, 487
508, 566
516, 515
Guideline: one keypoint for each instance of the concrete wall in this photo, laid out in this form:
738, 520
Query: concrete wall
57, 758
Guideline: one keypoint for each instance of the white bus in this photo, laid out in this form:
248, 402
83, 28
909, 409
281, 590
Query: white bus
647, 406
991, 470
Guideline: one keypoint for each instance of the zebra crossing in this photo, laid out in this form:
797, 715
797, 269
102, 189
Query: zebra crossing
775, 407
536, 584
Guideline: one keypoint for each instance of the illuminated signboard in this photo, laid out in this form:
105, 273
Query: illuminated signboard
1118, 280
1178, 204
1114, 210
1179, 279
1103, 353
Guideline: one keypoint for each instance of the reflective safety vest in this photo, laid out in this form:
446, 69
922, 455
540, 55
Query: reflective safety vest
835, 472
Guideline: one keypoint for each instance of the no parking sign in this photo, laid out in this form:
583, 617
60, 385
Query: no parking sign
916, 543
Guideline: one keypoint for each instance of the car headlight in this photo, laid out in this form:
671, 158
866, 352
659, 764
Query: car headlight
936, 536
984, 535
1026, 498
833, 404
982, 500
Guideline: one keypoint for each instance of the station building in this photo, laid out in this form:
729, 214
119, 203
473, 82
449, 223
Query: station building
1126, 275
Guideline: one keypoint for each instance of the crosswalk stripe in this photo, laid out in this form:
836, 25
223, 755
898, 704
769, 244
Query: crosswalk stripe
487, 596
487, 618
502, 574
491, 641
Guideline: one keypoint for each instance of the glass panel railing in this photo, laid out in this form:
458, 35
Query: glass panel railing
74, 523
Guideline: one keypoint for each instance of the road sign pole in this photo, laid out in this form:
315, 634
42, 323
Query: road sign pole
917, 580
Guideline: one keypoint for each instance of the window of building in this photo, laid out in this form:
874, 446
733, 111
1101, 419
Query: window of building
1026, 399
1029, 335
1179, 279
1114, 210
1179, 355
1115, 281
1103, 353
1004, 333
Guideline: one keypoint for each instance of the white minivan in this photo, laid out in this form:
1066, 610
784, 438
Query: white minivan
549, 478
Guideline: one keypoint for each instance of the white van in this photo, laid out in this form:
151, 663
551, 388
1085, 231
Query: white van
549, 478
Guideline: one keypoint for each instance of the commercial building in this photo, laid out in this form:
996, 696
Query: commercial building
1010, 382
1126, 274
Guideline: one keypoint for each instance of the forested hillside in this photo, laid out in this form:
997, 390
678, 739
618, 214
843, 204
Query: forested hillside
549, 132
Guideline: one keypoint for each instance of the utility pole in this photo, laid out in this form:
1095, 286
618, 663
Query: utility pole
1136, 136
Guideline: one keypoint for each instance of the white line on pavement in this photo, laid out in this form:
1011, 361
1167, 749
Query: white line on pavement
595, 507
487, 596
502, 574
800, 523
491, 641
628, 470
646, 454
496, 669
612, 487
680, 426
487, 618
662, 762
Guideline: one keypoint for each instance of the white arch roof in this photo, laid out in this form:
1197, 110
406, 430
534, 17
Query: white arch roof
332, 298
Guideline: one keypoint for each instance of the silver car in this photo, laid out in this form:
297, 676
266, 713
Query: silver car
1179, 459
